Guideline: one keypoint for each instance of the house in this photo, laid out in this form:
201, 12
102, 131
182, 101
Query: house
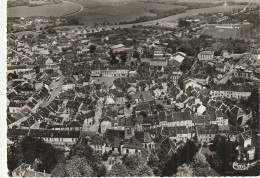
72, 125
176, 75
201, 109
170, 145
206, 56
256, 54
229, 91
68, 84
15, 107
145, 139
201, 120
130, 89
245, 138
221, 119
58, 138
191, 83
206, 133
221, 67
178, 133
177, 59
223, 130
89, 117
201, 78
25, 170
175, 119
132, 146
97, 144
72, 106
147, 96
241, 72
113, 139
158, 62
120, 98
245, 146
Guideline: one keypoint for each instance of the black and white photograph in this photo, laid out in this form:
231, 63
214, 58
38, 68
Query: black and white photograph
130, 88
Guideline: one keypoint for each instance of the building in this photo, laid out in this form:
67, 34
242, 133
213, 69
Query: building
97, 144
229, 91
175, 119
191, 83
243, 73
58, 138
206, 133
206, 56
159, 62
220, 67
110, 73
25, 170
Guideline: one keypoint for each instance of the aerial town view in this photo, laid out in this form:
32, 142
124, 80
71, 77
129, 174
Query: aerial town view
133, 88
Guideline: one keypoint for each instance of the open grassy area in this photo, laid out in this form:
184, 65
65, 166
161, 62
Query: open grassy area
223, 33
118, 11
244, 32
45, 10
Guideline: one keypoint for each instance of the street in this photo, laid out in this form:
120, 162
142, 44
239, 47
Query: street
95, 126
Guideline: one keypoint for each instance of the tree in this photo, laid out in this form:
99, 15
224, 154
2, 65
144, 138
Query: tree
105, 156
144, 114
136, 166
186, 64
29, 149
123, 57
94, 160
153, 163
59, 170
201, 167
14, 157
78, 167
113, 59
49, 159
184, 171
183, 23
92, 49
159, 107
188, 151
118, 170
226, 150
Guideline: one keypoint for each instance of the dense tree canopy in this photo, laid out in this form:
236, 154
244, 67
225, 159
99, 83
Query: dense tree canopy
29, 149
226, 153
118, 170
94, 160
136, 166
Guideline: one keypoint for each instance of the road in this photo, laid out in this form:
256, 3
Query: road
95, 126
56, 88
228, 75
244, 9
74, 13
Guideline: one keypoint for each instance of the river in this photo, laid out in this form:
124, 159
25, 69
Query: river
188, 13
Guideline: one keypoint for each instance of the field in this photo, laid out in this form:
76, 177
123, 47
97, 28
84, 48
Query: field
244, 32
118, 11
212, 1
223, 33
45, 10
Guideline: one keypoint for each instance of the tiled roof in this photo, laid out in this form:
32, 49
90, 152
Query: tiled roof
207, 129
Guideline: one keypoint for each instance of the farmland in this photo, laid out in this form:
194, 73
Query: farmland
45, 10
107, 11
